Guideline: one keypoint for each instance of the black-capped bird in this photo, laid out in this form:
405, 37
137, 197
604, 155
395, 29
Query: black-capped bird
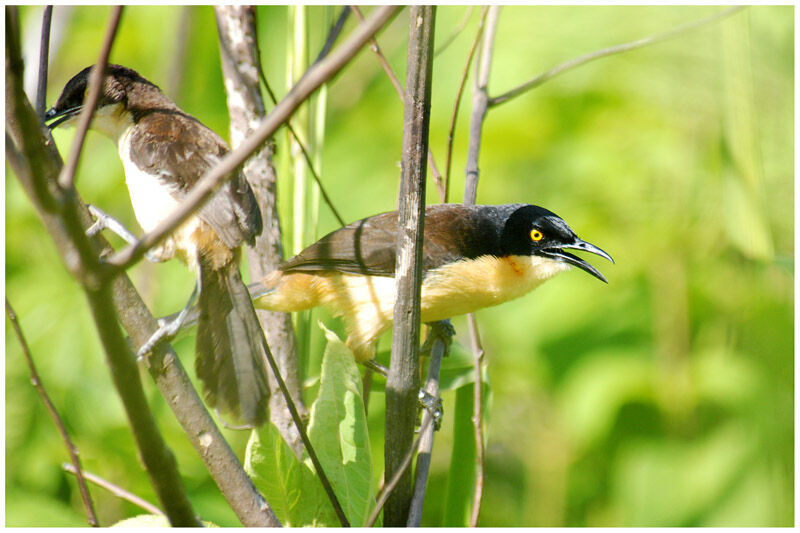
164, 153
473, 257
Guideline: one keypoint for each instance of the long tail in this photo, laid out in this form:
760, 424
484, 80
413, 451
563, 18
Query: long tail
230, 358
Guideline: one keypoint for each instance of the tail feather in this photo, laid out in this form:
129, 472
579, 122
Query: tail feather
230, 358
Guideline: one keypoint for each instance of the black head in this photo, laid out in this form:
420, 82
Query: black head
117, 82
533, 230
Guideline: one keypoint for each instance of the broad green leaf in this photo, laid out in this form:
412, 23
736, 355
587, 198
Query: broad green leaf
276, 472
338, 431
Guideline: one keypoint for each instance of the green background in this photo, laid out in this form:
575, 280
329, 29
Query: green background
664, 398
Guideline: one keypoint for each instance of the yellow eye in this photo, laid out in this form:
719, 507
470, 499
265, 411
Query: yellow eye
536, 235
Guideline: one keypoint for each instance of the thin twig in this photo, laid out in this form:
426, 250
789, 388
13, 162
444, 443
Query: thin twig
72, 450
477, 418
318, 74
454, 116
44, 55
388, 488
376, 49
437, 176
480, 100
67, 177
441, 344
456, 32
116, 490
625, 47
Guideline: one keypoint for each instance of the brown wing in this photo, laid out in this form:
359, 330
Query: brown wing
369, 246
179, 150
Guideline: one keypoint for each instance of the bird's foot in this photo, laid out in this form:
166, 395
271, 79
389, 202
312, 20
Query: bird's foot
427, 401
440, 330
433, 404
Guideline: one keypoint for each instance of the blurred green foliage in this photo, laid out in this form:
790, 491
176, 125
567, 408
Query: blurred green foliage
664, 398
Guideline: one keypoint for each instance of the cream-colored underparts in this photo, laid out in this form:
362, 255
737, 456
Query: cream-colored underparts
367, 302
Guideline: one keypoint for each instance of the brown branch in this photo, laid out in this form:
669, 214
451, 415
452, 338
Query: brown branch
44, 54
402, 384
459, 92
67, 177
114, 489
440, 334
240, 65
315, 76
72, 450
477, 418
376, 49
625, 47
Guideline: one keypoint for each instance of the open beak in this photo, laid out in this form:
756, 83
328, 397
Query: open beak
559, 254
60, 116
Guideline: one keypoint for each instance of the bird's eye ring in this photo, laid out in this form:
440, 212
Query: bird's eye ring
536, 235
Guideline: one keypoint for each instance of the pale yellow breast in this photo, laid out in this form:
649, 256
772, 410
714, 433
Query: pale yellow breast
469, 285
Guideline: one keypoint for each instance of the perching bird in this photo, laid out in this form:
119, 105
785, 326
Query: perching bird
164, 152
473, 257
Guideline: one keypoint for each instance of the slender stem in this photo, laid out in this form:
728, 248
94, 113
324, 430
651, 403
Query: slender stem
116, 490
318, 74
441, 342
625, 47
480, 100
454, 116
479, 108
67, 176
72, 450
402, 384
477, 418
44, 55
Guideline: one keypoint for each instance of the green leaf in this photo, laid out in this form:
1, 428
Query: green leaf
276, 472
338, 431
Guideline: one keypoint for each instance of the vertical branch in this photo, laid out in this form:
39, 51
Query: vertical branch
441, 335
71, 448
403, 381
459, 92
44, 54
246, 108
477, 418
480, 102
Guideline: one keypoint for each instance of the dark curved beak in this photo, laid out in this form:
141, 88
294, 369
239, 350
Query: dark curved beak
60, 116
578, 244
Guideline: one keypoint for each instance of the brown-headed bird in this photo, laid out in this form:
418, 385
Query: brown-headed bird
164, 152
